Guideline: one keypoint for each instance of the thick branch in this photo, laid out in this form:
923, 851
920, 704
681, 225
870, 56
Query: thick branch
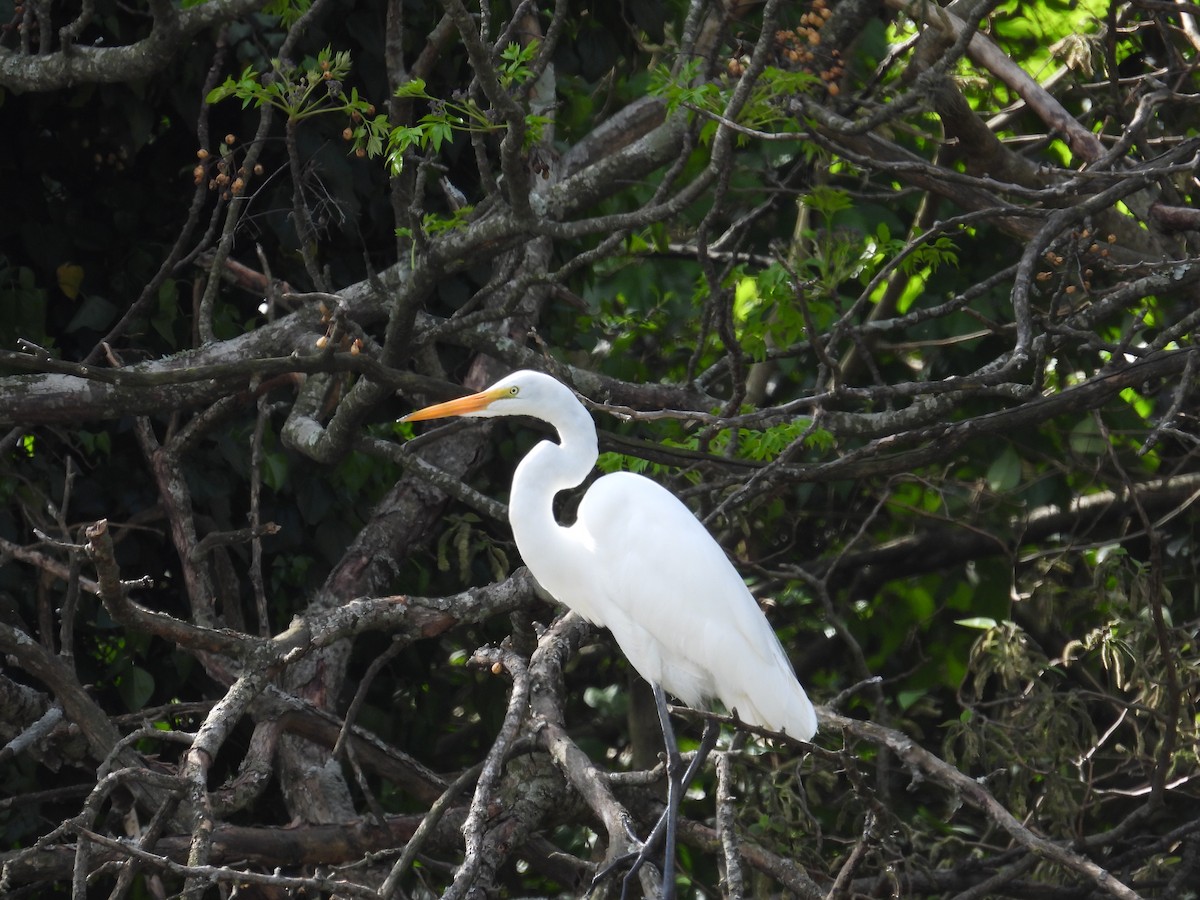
171, 32
951, 545
546, 710
984, 53
941, 441
296, 845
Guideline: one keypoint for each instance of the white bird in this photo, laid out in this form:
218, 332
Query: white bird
637, 562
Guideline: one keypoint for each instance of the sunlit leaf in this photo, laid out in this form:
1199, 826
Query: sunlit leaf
70, 278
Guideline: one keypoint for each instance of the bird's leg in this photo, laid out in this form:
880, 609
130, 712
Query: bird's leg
678, 781
674, 785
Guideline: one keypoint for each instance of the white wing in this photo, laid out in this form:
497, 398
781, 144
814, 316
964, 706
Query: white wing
677, 607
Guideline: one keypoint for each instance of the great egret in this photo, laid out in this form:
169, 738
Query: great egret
639, 563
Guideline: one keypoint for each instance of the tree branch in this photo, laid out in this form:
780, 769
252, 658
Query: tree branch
171, 31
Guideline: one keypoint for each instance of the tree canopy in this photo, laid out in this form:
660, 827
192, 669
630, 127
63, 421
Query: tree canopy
898, 297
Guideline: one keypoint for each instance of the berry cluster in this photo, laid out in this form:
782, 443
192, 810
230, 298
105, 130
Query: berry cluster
335, 336
799, 47
349, 132
228, 180
1091, 251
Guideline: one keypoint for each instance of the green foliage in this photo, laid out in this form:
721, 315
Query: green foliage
765, 109
766, 310
118, 658
1020, 705
840, 255
447, 117
1086, 438
609, 701
305, 91
24, 305
751, 444
514, 64
685, 89
622, 462
1004, 474
467, 543
136, 686
287, 10
1052, 28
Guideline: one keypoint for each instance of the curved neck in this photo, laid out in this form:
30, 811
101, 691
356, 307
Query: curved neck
547, 469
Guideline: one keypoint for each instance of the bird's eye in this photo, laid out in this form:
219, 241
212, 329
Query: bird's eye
513, 391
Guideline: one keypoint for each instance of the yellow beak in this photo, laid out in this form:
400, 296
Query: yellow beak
459, 407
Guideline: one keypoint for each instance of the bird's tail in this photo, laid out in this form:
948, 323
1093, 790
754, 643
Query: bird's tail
786, 708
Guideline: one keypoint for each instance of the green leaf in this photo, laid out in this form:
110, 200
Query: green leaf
163, 320
287, 10
983, 623
439, 132
827, 200
94, 313
95, 441
1086, 438
413, 88
219, 93
136, 687
515, 69
1143, 406
274, 471
1004, 473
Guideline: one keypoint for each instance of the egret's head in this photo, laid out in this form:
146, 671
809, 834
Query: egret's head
522, 393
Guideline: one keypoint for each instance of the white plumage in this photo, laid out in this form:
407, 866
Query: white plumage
637, 562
